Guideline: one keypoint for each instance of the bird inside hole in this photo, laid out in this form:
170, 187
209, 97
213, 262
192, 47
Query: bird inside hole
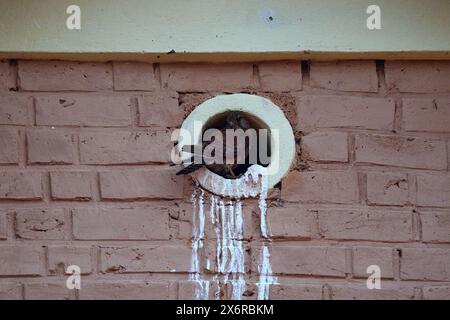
240, 153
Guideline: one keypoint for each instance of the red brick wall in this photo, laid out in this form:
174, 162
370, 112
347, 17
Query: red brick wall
85, 178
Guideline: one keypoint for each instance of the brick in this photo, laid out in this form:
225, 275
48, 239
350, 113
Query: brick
21, 261
435, 226
15, 110
192, 290
360, 292
125, 147
364, 257
71, 185
89, 110
156, 258
124, 290
315, 112
282, 291
325, 146
3, 226
60, 257
134, 76
409, 152
321, 186
295, 292
151, 184
48, 291
344, 75
160, 110
281, 76
371, 225
436, 292
426, 115
387, 188
42, 224
188, 77
433, 190
321, 261
9, 147
425, 264
49, 147
418, 76
64, 76
10, 291
146, 223
291, 222
20, 185
7, 76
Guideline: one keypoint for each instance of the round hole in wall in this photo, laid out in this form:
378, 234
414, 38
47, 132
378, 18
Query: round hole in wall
262, 114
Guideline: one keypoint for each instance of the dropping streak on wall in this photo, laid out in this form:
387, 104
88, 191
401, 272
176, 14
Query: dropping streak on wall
226, 218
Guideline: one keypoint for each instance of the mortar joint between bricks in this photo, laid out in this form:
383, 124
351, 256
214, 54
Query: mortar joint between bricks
46, 188
351, 149
76, 147
157, 74
349, 263
448, 154
12, 226
13, 72
22, 291
18, 78
327, 292
418, 293
135, 115
33, 110
70, 220
362, 187
411, 179
396, 263
306, 73
398, 115
95, 259
45, 262
416, 225
382, 87
22, 148
256, 77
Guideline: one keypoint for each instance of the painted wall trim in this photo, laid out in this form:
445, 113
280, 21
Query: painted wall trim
226, 57
201, 30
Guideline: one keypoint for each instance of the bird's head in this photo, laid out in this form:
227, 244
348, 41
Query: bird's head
236, 119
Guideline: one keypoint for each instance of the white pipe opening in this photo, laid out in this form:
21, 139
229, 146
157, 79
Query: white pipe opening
256, 178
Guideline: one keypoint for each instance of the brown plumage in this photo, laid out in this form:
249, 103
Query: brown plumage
235, 120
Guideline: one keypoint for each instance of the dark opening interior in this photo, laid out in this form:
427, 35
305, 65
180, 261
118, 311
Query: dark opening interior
218, 121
